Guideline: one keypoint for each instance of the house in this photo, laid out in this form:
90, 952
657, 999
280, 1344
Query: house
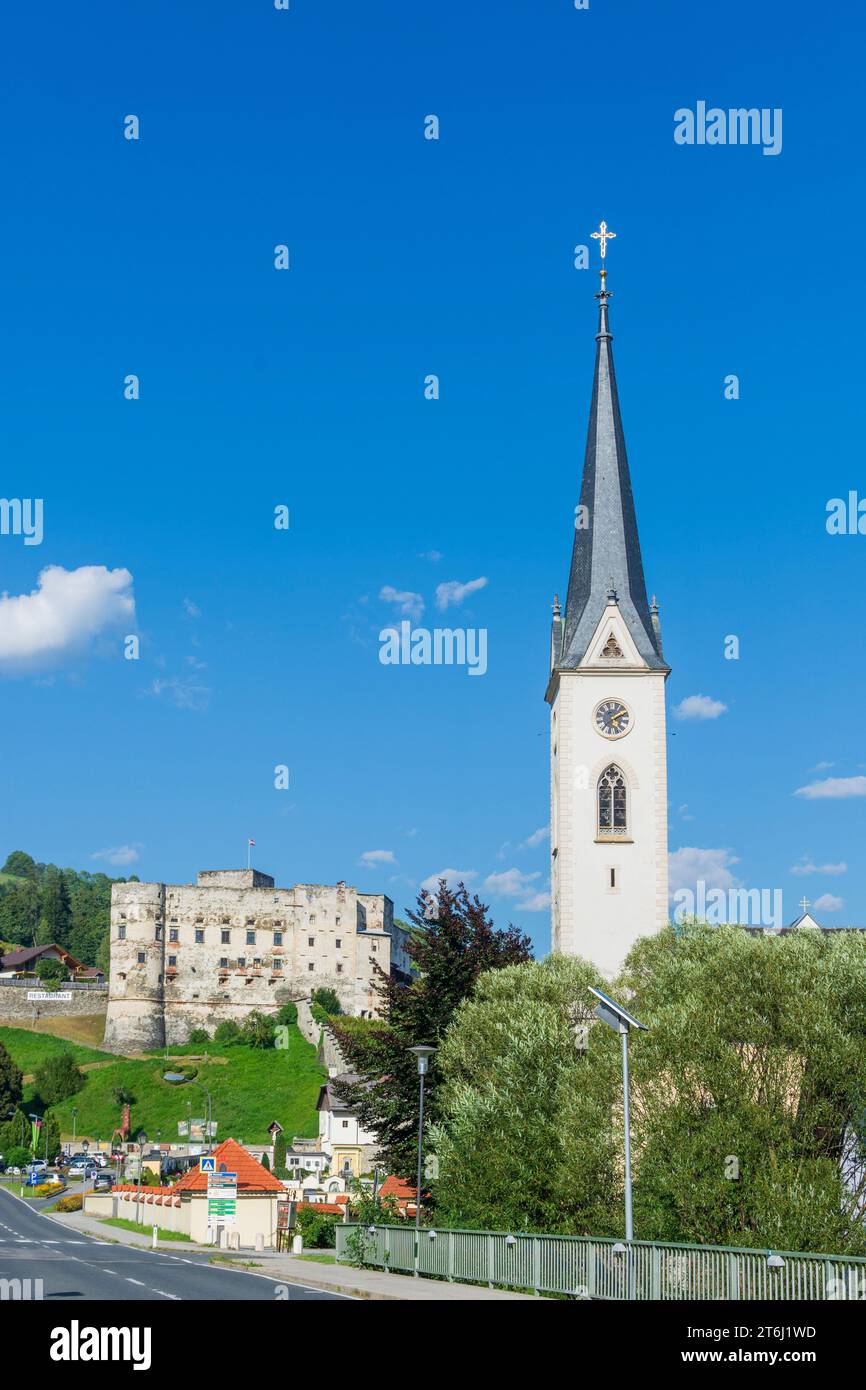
402, 1192
21, 964
351, 1149
184, 1207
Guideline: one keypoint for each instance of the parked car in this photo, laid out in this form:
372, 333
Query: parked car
103, 1182
37, 1165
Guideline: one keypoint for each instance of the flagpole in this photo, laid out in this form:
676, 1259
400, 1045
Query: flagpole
249, 851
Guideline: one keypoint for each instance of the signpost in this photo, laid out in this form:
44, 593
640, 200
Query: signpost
222, 1195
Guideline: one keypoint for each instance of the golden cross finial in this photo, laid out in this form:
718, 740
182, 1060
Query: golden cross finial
604, 236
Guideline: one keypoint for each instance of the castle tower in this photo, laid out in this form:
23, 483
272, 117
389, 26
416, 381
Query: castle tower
606, 691
135, 1018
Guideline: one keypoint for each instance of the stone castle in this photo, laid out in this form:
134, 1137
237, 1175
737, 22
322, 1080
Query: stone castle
187, 956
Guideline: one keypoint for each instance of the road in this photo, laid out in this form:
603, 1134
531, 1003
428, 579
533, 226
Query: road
75, 1266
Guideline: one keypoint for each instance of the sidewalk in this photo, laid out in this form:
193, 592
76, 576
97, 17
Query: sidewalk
358, 1283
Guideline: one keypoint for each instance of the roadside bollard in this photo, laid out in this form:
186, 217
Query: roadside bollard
155, 1230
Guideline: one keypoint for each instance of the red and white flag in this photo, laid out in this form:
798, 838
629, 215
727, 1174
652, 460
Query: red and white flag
250, 842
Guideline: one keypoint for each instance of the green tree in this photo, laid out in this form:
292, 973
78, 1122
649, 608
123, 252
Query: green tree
280, 1169
525, 1139
749, 1088
258, 1030
327, 1000
58, 1078
11, 1078
266, 1162
198, 1036
51, 971
287, 1015
16, 1157
56, 914
19, 864
450, 948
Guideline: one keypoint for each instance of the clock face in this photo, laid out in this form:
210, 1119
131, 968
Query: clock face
612, 718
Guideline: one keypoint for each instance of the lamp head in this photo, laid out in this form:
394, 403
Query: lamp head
423, 1055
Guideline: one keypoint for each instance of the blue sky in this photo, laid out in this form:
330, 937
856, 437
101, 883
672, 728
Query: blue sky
305, 388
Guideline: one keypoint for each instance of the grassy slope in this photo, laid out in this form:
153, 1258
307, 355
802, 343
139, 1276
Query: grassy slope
250, 1088
28, 1049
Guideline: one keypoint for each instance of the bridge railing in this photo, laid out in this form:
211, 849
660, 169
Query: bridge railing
603, 1268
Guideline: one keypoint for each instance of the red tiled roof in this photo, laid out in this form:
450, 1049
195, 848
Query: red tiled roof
399, 1188
331, 1207
234, 1158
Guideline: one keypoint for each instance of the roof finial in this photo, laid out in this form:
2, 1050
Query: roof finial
603, 236
611, 590
557, 611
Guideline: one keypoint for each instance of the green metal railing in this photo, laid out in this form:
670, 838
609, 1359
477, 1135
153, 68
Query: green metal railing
607, 1269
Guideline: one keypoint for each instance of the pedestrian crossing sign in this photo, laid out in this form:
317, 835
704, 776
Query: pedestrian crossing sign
207, 1165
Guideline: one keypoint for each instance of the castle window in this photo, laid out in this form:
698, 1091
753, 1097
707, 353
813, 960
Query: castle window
612, 802
278, 938
173, 934
225, 938
157, 932
141, 957
121, 933
311, 941
224, 962
337, 919
242, 962
339, 969
338, 943
199, 936
311, 966
172, 960
251, 938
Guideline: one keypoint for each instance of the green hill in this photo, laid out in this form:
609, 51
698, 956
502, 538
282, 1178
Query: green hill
249, 1087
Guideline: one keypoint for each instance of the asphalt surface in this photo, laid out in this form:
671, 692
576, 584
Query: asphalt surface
76, 1267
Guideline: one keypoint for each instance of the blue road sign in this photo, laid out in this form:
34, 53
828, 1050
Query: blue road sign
207, 1165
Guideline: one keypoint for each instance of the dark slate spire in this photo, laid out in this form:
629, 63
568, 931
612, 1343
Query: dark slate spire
606, 556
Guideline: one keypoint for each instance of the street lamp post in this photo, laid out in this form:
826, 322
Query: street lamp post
141, 1140
74, 1118
622, 1022
423, 1055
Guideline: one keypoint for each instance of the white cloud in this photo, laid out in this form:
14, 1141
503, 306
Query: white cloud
821, 767
431, 555
828, 902
184, 694
833, 788
510, 883
451, 876
65, 611
453, 592
371, 858
122, 854
807, 867
699, 707
536, 838
409, 604
538, 902
688, 865
684, 812
192, 609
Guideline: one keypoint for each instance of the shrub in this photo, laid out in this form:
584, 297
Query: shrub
227, 1032
288, 1015
70, 1203
317, 1228
199, 1035
266, 1162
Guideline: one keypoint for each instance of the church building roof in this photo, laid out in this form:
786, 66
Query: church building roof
606, 558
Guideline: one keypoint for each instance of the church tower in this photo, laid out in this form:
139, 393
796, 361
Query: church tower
608, 824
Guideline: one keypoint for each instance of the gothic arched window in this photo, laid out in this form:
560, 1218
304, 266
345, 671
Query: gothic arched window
612, 802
